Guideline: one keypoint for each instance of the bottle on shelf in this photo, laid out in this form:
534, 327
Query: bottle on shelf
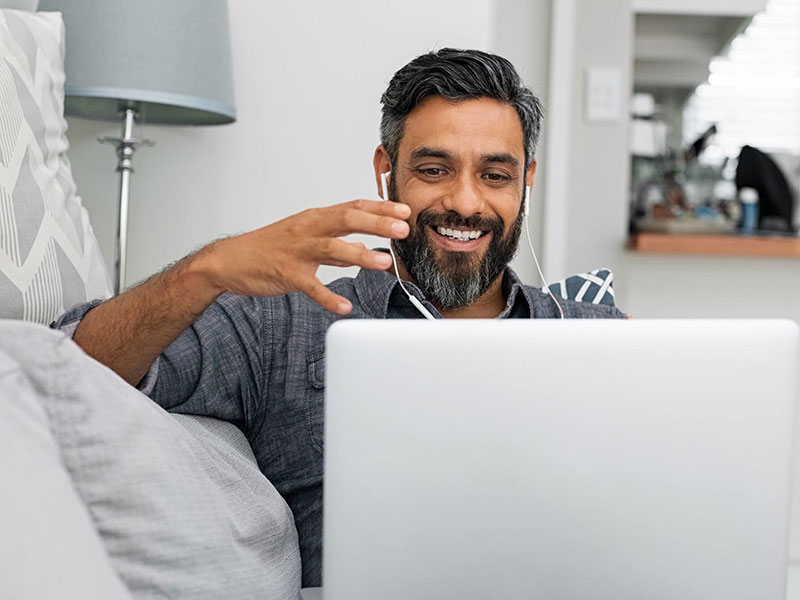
749, 199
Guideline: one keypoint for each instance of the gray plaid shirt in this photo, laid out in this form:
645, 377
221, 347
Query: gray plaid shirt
259, 363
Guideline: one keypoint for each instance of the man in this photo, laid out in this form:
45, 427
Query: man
236, 331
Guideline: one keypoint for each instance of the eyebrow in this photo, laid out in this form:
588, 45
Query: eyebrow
427, 152
503, 157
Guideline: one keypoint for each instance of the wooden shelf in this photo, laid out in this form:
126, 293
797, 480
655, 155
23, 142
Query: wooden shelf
728, 245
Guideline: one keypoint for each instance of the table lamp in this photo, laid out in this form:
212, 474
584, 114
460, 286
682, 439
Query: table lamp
154, 61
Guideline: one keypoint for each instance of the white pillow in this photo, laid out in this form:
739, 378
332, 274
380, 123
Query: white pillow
49, 257
182, 514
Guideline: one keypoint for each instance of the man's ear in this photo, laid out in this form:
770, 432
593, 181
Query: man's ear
531, 173
382, 164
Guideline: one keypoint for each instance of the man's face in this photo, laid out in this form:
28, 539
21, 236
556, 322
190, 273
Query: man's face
460, 167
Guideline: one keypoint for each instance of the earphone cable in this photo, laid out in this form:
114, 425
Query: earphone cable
538, 268
417, 304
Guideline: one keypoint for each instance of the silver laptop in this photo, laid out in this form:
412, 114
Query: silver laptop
556, 460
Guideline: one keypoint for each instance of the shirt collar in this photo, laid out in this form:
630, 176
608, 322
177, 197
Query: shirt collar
518, 296
374, 289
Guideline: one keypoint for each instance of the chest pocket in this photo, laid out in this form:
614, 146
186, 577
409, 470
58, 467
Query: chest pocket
315, 400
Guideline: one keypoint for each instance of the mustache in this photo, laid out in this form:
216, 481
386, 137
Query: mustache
430, 218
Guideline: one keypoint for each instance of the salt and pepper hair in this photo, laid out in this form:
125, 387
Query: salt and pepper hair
458, 75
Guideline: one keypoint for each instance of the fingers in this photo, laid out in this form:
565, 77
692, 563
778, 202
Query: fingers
380, 207
384, 219
326, 298
339, 253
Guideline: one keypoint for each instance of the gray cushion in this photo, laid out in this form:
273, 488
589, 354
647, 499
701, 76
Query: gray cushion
49, 547
181, 515
222, 434
49, 257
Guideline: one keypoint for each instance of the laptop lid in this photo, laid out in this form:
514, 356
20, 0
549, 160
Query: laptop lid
558, 459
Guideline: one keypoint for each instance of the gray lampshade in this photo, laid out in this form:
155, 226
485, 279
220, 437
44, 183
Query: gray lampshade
172, 57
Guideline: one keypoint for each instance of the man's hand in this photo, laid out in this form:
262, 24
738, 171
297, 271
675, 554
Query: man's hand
284, 257
128, 332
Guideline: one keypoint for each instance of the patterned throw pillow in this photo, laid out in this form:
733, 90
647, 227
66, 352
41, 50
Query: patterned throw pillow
49, 256
595, 287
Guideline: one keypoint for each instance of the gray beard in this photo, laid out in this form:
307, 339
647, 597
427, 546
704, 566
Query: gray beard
443, 290
454, 280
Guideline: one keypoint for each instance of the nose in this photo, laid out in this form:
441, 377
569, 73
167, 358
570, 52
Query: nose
464, 197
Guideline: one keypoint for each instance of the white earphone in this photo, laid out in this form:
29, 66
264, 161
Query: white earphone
526, 206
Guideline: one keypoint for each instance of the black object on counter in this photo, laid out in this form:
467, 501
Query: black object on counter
776, 201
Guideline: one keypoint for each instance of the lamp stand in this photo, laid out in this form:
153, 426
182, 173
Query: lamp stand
126, 146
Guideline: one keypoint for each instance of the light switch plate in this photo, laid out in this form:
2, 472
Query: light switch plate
603, 99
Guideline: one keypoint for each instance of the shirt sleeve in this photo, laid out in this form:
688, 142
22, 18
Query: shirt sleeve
214, 368
68, 323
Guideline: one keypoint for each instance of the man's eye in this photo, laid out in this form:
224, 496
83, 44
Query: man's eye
497, 177
431, 171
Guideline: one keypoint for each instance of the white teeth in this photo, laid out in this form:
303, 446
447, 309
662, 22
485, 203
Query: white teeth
458, 234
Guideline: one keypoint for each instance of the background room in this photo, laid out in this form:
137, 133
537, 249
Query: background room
307, 81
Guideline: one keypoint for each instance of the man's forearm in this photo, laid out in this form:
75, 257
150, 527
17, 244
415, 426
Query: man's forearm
129, 332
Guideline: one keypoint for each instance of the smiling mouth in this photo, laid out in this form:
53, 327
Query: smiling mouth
459, 235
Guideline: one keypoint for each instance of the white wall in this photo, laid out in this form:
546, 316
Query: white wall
597, 200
